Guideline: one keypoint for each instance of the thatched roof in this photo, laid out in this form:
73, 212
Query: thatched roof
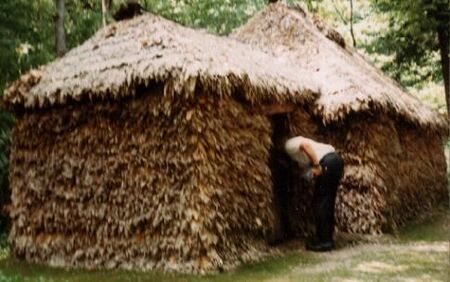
348, 83
150, 49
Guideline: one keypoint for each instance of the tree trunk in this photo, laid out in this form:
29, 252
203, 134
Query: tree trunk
106, 8
443, 38
60, 35
443, 26
104, 12
351, 24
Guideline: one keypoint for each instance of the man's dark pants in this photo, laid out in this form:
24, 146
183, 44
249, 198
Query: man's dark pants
325, 195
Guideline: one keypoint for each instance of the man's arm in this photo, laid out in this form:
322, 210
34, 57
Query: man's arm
306, 147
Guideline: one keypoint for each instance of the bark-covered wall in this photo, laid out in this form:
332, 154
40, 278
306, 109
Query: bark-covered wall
423, 183
142, 183
362, 197
394, 173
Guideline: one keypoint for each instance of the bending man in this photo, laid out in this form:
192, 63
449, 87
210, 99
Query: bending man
321, 162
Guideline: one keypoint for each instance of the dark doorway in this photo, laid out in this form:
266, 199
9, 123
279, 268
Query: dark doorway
292, 195
280, 166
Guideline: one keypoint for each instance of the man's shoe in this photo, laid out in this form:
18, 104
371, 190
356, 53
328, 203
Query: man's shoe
319, 246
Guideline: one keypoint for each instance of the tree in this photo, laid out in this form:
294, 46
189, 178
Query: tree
418, 32
82, 19
60, 34
442, 16
351, 23
26, 37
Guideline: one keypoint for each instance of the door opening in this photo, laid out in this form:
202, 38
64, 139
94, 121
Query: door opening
292, 202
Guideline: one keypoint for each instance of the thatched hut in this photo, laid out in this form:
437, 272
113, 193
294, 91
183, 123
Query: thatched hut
145, 147
392, 144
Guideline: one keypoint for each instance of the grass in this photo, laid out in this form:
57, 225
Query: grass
4, 249
434, 229
416, 253
12, 270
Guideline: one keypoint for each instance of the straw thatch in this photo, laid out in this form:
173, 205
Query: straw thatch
141, 149
148, 49
390, 142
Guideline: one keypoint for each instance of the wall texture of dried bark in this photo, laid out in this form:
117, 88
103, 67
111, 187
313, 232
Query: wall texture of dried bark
143, 183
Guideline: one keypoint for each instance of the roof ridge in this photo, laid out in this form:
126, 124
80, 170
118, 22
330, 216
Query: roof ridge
329, 32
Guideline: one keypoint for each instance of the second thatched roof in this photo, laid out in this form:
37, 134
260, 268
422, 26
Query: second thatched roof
150, 49
348, 83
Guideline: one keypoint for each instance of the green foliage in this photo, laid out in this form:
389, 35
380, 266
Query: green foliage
27, 32
217, 16
25, 36
83, 19
312, 5
410, 39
